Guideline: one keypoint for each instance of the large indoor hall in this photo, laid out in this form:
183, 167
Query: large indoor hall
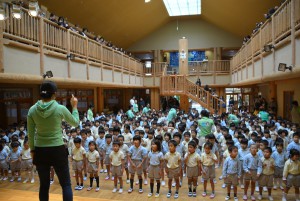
149, 99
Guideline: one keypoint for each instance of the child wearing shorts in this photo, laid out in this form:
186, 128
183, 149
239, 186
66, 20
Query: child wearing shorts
78, 160
26, 163
14, 160
117, 166
93, 158
3, 163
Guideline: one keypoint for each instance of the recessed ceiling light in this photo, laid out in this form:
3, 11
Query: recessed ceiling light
147, 1
183, 7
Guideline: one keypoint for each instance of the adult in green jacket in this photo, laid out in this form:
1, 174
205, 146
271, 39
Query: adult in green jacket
172, 114
45, 139
205, 124
146, 109
130, 113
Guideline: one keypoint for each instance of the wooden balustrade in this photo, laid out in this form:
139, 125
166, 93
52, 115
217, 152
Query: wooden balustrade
273, 31
179, 84
213, 66
26, 31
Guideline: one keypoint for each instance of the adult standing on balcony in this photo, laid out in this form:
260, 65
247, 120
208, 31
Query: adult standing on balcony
205, 124
46, 142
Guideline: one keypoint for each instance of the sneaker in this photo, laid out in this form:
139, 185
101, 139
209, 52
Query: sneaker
184, 175
89, 188
194, 194
112, 178
242, 186
283, 198
212, 196
173, 184
156, 195
259, 197
127, 181
169, 195
105, 171
150, 195
253, 198
97, 189
80, 188
265, 189
19, 179
141, 190
107, 177
281, 187
12, 179
32, 181
145, 182
275, 187
130, 190
215, 181
101, 171
84, 178
163, 183
223, 185
204, 194
236, 199
221, 177
245, 197
76, 187
114, 190
176, 195
121, 190
5, 178
25, 181
190, 194
227, 198
271, 198
256, 189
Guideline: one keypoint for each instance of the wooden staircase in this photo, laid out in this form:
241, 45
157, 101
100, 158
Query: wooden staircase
180, 85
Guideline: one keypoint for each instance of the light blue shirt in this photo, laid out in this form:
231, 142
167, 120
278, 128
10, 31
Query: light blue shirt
260, 153
155, 157
100, 142
85, 144
279, 158
165, 147
252, 163
107, 148
180, 149
15, 155
137, 153
232, 166
250, 142
242, 153
292, 145
3, 155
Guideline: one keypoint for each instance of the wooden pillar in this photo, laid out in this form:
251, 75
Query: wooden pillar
272, 91
100, 99
183, 56
41, 24
1, 48
184, 103
155, 99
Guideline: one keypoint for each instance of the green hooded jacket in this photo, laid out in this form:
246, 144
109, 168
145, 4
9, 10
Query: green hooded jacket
44, 123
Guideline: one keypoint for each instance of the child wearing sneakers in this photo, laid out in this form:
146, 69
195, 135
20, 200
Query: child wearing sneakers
279, 157
291, 174
78, 162
136, 156
173, 167
252, 167
192, 161
208, 160
155, 158
93, 157
107, 149
243, 151
100, 143
3, 163
26, 163
14, 160
124, 148
232, 171
266, 178
117, 166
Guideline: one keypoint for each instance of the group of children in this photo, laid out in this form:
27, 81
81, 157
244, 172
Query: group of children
254, 154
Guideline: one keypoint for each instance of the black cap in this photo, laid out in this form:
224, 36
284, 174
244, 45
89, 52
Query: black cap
47, 89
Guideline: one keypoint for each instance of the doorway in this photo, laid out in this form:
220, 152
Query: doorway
288, 97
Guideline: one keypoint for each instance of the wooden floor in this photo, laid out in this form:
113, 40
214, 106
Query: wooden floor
14, 191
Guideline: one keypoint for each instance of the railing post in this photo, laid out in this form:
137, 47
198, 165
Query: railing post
41, 36
293, 37
113, 67
214, 71
87, 59
1, 48
69, 52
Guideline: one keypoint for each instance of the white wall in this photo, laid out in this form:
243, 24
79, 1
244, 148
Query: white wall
200, 34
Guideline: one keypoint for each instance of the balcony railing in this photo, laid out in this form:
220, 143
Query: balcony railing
212, 66
282, 24
40, 33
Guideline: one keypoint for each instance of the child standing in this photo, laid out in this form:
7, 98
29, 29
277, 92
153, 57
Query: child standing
14, 160
78, 162
208, 160
100, 143
136, 156
107, 149
117, 166
192, 161
279, 157
266, 179
252, 167
93, 157
155, 158
26, 163
124, 148
3, 163
291, 174
232, 171
173, 167
243, 151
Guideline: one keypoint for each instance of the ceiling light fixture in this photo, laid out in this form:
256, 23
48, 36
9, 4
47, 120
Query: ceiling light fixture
33, 8
147, 1
268, 48
282, 67
183, 7
16, 11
